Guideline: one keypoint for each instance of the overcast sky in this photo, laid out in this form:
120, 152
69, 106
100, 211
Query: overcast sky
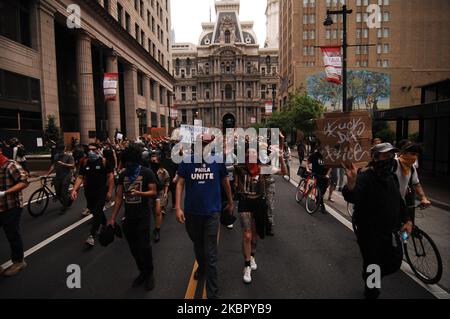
187, 16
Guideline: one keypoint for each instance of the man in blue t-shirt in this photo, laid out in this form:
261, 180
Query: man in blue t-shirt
201, 215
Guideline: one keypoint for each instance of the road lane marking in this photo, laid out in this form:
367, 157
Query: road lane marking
50, 239
435, 290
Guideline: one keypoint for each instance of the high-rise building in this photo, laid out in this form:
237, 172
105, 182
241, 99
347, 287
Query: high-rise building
409, 49
226, 79
272, 24
52, 65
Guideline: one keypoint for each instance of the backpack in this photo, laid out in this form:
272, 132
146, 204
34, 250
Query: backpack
21, 152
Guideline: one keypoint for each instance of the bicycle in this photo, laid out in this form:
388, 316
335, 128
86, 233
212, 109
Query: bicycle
39, 200
422, 255
307, 188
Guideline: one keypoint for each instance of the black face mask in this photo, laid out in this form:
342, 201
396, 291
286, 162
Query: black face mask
384, 168
155, 166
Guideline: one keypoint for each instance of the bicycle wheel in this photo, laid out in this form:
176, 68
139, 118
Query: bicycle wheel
423, 257
313, 200
38, 203
300, 193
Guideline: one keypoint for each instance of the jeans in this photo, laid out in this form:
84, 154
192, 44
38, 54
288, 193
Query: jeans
62, 189
10, 222
203, 230
137, 233
95, 204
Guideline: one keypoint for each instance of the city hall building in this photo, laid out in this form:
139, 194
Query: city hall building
227, 79
53, 57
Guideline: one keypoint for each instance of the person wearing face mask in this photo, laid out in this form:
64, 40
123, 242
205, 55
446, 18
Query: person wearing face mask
380, 214
137, 184
97, 176
160, 203
405, 169
63, 165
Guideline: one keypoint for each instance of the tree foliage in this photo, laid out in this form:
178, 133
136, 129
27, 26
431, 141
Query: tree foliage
52, 131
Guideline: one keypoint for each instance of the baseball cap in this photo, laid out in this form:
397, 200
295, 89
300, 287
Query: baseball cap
384, 148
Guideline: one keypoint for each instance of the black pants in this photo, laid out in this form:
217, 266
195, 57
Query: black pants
137, 233
10, 222
173, 190
95, 204
381, 249
322, 184
62, 189
203, 230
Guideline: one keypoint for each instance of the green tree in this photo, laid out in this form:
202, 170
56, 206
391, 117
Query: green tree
52, 131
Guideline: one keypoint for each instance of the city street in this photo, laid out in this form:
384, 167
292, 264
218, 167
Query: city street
310, 257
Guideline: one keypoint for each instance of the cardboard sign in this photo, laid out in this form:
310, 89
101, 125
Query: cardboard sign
157, 133
345, 138
110, 81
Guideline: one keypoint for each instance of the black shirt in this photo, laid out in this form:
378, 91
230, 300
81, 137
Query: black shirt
136, 206
170, 167
318, 164
95, 175
63, 171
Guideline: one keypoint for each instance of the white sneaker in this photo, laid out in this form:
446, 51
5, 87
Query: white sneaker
230, 226
253, 264
86, 212
247, 275
90, 241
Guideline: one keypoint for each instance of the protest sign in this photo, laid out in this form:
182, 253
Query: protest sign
345, 138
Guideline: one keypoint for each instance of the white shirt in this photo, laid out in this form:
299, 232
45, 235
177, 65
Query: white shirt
404, 180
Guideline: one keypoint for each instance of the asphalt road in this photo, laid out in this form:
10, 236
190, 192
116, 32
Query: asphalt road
310, 257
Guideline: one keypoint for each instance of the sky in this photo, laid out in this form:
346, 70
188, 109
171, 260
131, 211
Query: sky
188, 15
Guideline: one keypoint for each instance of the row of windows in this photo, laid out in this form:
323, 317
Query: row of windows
382, 17
140, 34
15, 21
153, 89
381, 48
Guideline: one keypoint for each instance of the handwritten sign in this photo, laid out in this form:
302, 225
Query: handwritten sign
157, 133
345, 138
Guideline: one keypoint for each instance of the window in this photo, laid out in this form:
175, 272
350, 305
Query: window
183, 93
379, 63
380, 33
153, 24
358, 33
136, 28
386, 16
365, 33
152, 90
386, 48
305, 19
358, 17
184, 116
328, 34
207, 95
194, 93
379, 49
312, 34
120, 14
334, 34
312, 19
385, 63
305, 35
142, 38
141, 8
140, 83
154, 119
163, 120
358, 3
228, 92
386, 32
249, 94
15, 21
127, 22
149, 21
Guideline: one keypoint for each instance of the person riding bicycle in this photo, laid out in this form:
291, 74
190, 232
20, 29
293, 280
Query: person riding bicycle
320, 171
406, 171
63, 165
380, 214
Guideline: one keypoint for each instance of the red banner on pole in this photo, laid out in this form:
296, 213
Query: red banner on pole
333, 64
110, 86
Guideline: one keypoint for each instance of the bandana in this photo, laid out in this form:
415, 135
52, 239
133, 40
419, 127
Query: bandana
3, 160
406, 162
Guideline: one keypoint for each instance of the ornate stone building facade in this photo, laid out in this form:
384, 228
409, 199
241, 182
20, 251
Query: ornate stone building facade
226, 79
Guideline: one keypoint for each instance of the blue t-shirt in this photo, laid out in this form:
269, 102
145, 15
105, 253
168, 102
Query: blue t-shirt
203, 187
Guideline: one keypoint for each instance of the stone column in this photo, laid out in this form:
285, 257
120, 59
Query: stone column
46, 46
158, 105
113, 107
148, 100
86, 103
132, 121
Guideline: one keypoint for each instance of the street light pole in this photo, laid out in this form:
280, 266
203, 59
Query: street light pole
329, 22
